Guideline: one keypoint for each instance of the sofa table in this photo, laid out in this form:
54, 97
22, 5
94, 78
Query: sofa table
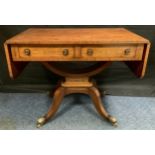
99, 45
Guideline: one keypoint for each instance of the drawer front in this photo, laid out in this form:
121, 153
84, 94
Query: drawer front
42, 53
80, 53
130, 52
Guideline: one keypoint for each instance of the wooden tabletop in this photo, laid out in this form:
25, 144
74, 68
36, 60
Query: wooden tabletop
76, 36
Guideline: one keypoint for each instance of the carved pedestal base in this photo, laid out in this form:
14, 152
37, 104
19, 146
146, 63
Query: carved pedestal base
75, 85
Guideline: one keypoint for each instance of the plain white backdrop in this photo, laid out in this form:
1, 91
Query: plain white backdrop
77, 12
77, 142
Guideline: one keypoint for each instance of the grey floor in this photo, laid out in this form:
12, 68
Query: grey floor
21, 110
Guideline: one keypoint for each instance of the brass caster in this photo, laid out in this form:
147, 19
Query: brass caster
115, 124
41, 121
113, 120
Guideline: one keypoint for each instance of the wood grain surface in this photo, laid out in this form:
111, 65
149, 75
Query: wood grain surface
77, 53
76, 36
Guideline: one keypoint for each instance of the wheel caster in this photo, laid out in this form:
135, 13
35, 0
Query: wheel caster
113, 120
41, 121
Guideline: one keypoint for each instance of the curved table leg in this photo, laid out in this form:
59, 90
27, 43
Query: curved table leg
102, 92
95, 95
51, 94
58, 96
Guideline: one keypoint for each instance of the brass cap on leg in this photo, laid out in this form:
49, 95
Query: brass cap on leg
41, 121
113, 120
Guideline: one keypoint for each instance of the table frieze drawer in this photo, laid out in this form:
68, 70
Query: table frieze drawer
85, 53
128, 52
26, 53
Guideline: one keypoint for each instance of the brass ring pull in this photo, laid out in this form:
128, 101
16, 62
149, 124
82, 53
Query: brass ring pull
27, 52
65, 52
90, 52
127, 51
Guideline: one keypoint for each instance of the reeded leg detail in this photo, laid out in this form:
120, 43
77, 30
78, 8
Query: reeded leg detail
95, 95
58, 96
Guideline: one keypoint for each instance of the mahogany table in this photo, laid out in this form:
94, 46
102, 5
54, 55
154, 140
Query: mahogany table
103, 46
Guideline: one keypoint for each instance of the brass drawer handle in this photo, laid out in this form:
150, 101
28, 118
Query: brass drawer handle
27, 52
127, 51
65, 52
90, 52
